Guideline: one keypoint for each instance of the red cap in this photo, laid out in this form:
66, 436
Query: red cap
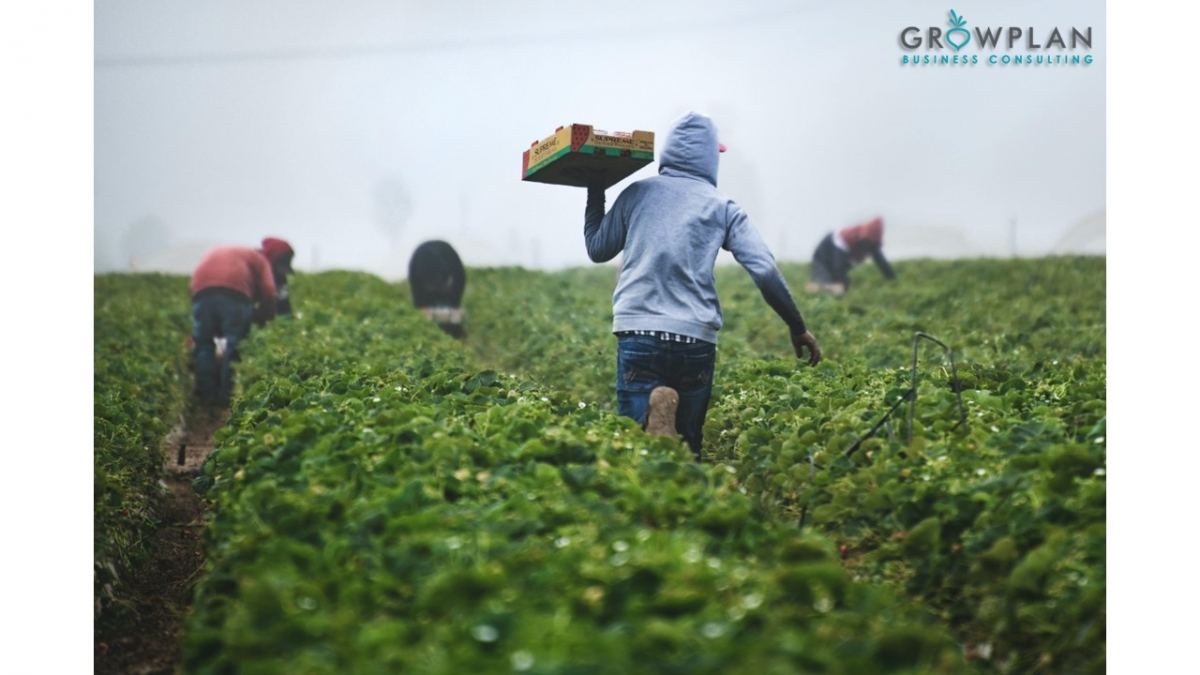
874, 231
720, 147
277, 250
870, 231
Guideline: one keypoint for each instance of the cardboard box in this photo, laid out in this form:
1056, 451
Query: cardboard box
577, 153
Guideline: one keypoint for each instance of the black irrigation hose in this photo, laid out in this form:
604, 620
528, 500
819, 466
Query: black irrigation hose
962, 415
911, 396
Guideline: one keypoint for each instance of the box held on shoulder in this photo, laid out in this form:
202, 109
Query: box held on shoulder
579, 154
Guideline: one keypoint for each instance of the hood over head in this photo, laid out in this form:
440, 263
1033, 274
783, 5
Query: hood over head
692, 149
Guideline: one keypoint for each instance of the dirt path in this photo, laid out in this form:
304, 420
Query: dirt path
141, 634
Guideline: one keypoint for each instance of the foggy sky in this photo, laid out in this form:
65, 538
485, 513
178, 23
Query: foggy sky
356, 130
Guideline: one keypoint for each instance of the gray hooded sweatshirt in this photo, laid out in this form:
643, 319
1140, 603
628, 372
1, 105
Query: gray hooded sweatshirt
671, 227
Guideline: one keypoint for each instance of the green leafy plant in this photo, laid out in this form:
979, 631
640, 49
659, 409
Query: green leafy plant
386, 498
140, 376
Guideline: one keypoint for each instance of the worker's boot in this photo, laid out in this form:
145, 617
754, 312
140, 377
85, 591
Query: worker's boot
664, 402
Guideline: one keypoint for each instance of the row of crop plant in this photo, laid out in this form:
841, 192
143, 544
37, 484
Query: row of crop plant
140, 378
998, 529
996, 525
382, 504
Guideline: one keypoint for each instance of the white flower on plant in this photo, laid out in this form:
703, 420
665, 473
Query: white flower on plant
521, 660
485, 632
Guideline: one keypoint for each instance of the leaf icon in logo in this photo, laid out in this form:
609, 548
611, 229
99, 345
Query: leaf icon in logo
958, 22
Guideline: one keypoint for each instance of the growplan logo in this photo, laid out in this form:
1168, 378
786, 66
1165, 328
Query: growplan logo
959, 44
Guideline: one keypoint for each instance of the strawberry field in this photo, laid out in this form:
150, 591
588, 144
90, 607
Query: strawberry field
386, 499
140, 378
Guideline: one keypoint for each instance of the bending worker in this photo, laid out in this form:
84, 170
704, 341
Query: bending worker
839, 251
437, 279
226, 286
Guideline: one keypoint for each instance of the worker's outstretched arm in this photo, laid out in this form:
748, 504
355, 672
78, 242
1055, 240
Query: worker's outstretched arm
752, 253
882, 263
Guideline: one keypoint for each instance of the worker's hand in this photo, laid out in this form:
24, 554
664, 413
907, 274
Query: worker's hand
261, 317
805, 340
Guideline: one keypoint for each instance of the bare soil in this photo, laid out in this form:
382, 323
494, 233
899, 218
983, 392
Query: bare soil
140, 634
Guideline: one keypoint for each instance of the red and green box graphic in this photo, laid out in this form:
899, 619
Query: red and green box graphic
578, 154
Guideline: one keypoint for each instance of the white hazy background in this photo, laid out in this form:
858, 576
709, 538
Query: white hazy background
358, 129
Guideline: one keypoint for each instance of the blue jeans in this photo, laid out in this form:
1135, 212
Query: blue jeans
213, 316
645, 362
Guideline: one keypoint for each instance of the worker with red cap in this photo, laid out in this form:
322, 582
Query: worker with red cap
280, 254
230, 288
839, 251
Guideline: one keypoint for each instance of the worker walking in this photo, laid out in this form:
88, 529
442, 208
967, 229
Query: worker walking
666, 314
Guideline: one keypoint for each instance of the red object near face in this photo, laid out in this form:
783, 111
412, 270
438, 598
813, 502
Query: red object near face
277, 250
871, 231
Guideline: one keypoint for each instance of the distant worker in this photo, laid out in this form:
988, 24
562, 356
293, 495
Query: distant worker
666, 314
437, 279
226, 287
280, 255
841, 250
